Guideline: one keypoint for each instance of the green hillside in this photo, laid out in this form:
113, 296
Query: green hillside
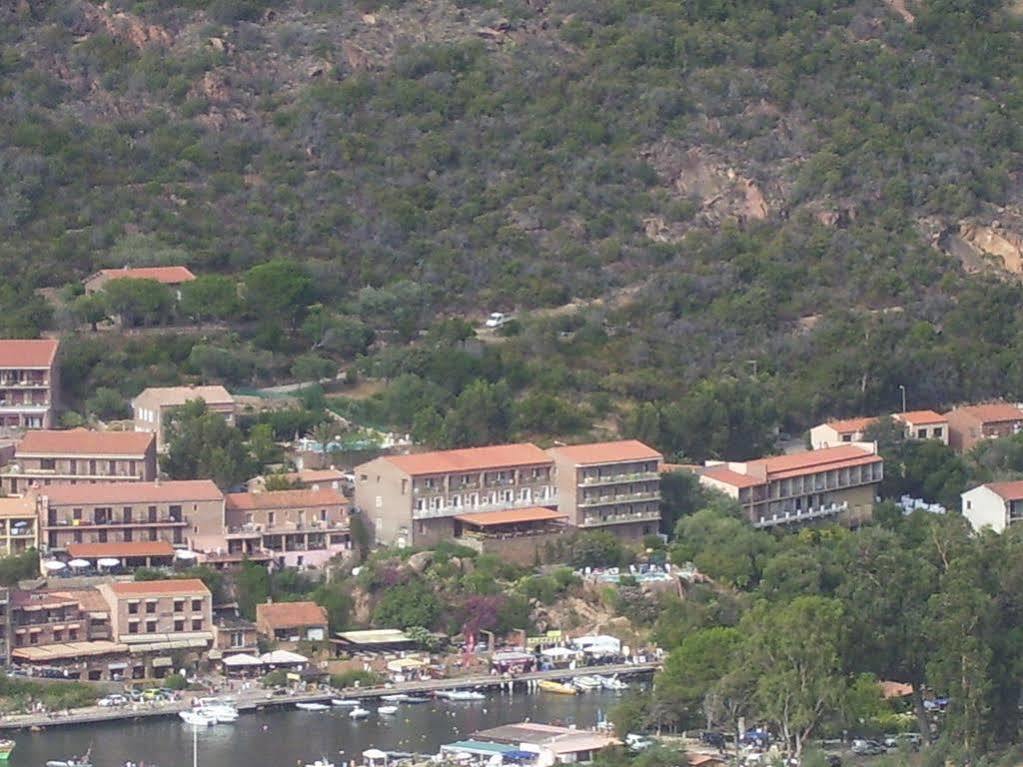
715, 218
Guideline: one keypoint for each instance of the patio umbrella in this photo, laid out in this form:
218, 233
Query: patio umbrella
108, 562
185, 554
78, 564
53, 565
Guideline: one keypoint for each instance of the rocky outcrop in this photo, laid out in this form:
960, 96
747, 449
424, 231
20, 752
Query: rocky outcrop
1001, 244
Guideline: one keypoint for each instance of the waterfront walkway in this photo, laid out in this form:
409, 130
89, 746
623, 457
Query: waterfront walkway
252, 700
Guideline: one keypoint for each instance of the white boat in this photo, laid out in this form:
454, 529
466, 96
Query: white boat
312, 706
613, 683
461, 695
387, 710
399, 698
344, 702
588, 682
358, 713
220, 714
320, 763
196, 719
74, 761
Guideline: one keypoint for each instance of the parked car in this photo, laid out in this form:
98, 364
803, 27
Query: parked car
833, 760
712, 738
113, 700
863, 747
636, 742
496, 320
911, 739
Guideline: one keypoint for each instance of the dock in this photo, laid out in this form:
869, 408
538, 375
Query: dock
256, 700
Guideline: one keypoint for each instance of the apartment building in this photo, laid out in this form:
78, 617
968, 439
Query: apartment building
292, 621
412, 500
151, 407
171, 276
835, 484
29, 384
129, 512
19, 528
835, 433
924, 424
970, 424
46, 618
160, 616
996, 505
77, 456
612, 486
297, 528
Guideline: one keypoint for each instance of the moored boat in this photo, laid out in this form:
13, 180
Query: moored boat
461, 695
312, 706
351, 702
6, 747
387, 710
74, 761
358, 713
549, 685
613, 683
196, 719
588, 682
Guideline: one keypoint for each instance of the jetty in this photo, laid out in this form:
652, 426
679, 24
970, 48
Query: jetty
255, 700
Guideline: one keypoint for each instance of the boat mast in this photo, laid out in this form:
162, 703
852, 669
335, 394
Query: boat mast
195, 746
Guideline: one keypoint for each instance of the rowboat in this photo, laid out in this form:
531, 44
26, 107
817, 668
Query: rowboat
387, 710
358, 713
561, 688
6, 747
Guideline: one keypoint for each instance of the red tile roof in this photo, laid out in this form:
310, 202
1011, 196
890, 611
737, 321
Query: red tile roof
851, 425
284, 499
812, 461
607, 452
921, 417
168, 275
286, 615
20, 353
134, 492
316, 475
724, 474
85, 442
510, 516
156, 588
118, 549
172, 396
470, 459
994, 412
17, 507
1009, 491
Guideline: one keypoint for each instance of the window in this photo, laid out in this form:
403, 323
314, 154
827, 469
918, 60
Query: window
179, 605
270, 517
133, 608
76, 514
152, 533
921, 433
847, 437
33, 638
133, 627
102, 536
179, 624
151, 608
196, 605
77, 535
196, 624
47, 463
151, 626
938, 431
127, 535
112, 468
237, 639
175, 513
72, 634
126, 512
419, 504
323, 515
969, 504
152, 513
58, 635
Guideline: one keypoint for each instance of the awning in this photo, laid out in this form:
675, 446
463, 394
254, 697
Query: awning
511, 657
117, 666
162, 662
282, 658
241, 660
120, 549
183, 644
403, 664
510, 517
559, 652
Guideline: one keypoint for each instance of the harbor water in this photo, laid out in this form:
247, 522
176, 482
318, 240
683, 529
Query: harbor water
289, 737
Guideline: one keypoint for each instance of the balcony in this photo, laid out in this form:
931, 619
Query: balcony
621, 519
451, 511
23, 383
800, 516
614, 479
83, 524
248, 531
610, 500
28, 407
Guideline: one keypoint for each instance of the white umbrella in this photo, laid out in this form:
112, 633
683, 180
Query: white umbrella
53, 565
185, 554
78, 563
242, 659
108, 562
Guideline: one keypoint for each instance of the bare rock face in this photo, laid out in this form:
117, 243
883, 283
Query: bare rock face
994, 241
420, 561
128, 27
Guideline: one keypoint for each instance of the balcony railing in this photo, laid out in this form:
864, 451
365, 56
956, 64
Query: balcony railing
644, 476
610, 500
803, 515
83, 524
451, 511
621, 519
288, 528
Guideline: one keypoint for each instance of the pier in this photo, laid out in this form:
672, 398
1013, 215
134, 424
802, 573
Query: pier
254, 700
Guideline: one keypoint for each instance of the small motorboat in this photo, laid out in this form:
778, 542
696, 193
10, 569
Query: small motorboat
313, 706
358, 713
461, 695
320, 763
613, 683
549, 685
196, 719
351, 702
588, 683
388, 710
220, 713
399, 698
414, 699
74, 761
